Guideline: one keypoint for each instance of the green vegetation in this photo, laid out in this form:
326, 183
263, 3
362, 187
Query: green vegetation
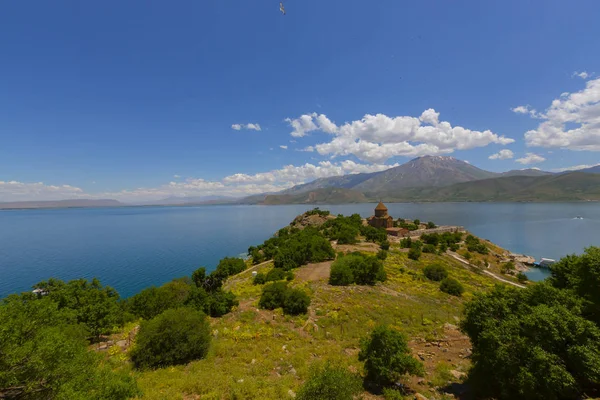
280, 295
382, 254
176, 336
357, 268
475, 245
260, 279
293, 248
387, 357
508, 267
414, 253
522, 277
542, 342
331, 383
435, 272
317, 211
372, 234
452, 286
343, 229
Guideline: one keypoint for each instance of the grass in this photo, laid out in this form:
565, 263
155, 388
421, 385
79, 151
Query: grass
260, 354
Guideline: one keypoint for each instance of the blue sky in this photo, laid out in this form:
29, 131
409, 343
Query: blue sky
138, 100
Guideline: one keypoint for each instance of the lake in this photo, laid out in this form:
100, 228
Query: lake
134, 247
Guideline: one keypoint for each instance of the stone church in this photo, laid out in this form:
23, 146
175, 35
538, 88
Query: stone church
381, 219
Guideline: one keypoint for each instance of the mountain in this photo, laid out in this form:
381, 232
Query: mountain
81, 203
592, 170
318, 196
183, 200
344, 181
574, 186
526, 172
425, 171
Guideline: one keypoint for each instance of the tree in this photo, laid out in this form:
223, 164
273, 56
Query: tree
153, 301
431, 225
330, 382
229, 266
295, 302
273, 295
531, 343
175, 337
382, 254
356, 268
435, 272
452, 286
406, 243
276, 274
507, 267
414, 253
417, 222
387, 357
429, 248
44, 355
341, 273
522, 277
385, 245
259, 279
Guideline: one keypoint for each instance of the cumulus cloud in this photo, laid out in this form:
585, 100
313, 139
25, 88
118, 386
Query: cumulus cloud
502, 155
575, 167
582, 74
376, 138
571, 122
527, 110
530, 158
20, 191
283, 147
251, 127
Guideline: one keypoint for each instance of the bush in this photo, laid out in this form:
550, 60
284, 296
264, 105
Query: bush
372, 234
289, 276
229, 266
382, 254
392, 394
296, 302
331, 383
454, 247
435, 272
406, 243
220, 303
276, 274
356, 268
387, 357
429, 248
259, 279
385, 245
414, 253
431, 225
507, 267
174, 337
522, 277
452, 286
273, 295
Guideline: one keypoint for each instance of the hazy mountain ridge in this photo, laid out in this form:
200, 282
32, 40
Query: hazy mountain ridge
82, 203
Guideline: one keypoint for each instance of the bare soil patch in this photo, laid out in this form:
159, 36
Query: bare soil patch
313, 272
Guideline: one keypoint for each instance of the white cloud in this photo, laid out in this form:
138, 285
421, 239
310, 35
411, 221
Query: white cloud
527, 110
571, 122
283, 147
252, 127
575, 167
376, 138
176, 176
582, 74
20, 191
530, 158
504, 154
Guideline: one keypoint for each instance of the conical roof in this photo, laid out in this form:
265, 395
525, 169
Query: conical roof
381, 207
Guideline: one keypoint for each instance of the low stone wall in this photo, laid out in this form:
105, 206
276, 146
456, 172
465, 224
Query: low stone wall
439, 229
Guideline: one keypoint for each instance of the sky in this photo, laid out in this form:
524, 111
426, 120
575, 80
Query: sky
143, 100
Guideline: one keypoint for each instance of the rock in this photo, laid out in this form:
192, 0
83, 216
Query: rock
284, 347
419, 396
457, 374
450, 327
291, 393
253, 361
421, 356
421, 381
240, 381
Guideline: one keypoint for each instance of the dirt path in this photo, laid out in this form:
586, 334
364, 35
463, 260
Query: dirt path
314, 272
462, 260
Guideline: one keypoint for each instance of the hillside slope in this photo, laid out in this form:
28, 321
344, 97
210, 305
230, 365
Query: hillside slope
319, 196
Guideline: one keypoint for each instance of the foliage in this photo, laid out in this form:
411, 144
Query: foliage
406, 243
392, 394
330, 382
153, 301
356, 268
382, 254
385, 245
429, 248
259, 279
344, 229
387, 357
532, 343
176, 336
474, 244
453, 247
435, 272
95, 306
431, 225
256, 254
276, 274
278, 294
317, 211
417, 222
301, 247
296, 302
372, 234
522, 277
44, 355
452, 286
414, 253
229, 266
507, 267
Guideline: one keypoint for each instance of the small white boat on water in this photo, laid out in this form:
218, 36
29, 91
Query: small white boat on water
546, 263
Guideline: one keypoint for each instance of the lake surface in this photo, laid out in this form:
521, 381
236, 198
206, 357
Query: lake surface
135, 247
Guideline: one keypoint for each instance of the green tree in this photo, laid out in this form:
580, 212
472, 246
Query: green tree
417, 222
435, 272
276, 274
507, 267
382, 254
259, 279
229, 266
431, 225
341, 273
387, 357
44, 355
357, 268
385, 245
414, 253
406, 243
452, 286
522, 277
153, 301
295, 302
273, 295
175, 337
330, 382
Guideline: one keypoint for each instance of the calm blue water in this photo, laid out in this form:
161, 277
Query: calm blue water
132, 248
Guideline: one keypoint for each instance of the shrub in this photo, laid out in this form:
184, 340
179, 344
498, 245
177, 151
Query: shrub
296, 302
289, 276
356, 268
433, 238
435, 272
372, 234
276, 274
429, 248
385, 245
175, 337
387, 357
382, 254
392, 394
331, 383
522, 277
414, 253
220, 303
431, 225
452, 286
454, 247
259, 279
417, 222
273, 295
406, 243
468, 256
